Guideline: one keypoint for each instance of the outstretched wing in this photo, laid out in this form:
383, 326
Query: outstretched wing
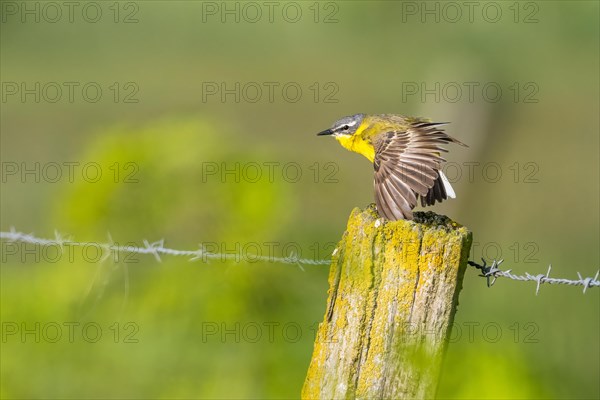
406, 166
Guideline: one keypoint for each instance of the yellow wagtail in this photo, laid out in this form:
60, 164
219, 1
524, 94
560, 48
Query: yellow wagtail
405, 152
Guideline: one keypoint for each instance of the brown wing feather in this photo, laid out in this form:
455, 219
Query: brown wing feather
406, 167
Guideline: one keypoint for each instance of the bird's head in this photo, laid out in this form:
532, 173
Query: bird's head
345, 126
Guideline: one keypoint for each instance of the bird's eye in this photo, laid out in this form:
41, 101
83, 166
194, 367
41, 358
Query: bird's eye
345, 127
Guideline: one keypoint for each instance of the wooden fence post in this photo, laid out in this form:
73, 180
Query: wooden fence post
393, 293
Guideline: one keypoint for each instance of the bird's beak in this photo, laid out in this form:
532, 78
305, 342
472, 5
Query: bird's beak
325, 132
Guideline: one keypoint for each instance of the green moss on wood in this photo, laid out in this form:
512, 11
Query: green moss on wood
392, 297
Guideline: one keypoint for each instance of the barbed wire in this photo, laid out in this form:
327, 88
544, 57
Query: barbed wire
492, 272
154, 248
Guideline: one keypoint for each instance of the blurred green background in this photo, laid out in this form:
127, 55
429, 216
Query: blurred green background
227, 329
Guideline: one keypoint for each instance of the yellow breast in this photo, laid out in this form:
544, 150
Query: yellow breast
359, 143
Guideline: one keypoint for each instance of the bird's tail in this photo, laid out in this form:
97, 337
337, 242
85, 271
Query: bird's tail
440, 191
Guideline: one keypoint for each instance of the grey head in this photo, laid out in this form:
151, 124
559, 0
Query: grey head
344, 126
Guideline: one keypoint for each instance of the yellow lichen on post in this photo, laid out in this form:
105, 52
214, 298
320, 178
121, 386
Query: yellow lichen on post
393, 292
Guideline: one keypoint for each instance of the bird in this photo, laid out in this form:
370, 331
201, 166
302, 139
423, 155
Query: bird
406, 155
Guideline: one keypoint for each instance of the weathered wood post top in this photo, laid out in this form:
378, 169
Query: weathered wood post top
393, 293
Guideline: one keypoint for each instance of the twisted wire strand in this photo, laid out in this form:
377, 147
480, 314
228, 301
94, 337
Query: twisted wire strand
154, 248
491, 272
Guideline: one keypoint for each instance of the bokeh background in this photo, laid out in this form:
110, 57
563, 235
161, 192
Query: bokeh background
245, 329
